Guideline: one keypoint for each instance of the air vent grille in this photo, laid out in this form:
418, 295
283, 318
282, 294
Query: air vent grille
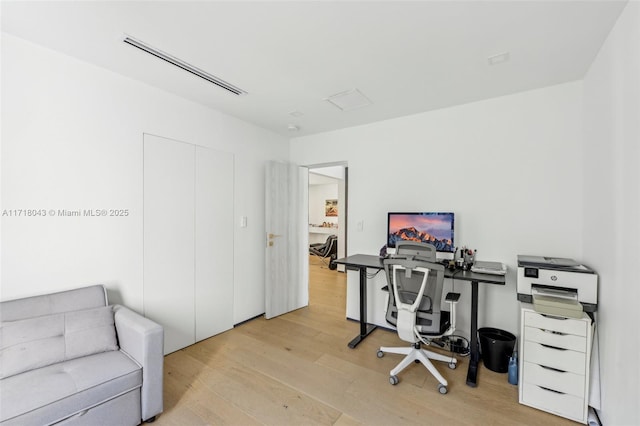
184, 65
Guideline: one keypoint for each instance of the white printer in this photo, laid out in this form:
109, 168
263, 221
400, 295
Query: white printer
556, 279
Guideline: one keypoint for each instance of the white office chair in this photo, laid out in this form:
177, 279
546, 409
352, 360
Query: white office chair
415, 291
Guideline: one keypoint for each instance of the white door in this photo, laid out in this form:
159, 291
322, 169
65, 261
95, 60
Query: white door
287, 236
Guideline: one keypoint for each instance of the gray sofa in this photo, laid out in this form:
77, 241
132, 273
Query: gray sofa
71, 358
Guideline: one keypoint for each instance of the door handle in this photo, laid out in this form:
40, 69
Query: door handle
270, 238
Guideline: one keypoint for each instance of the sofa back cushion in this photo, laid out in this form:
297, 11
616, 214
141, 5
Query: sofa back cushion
36, 342
89, 332
31, 343
53, 303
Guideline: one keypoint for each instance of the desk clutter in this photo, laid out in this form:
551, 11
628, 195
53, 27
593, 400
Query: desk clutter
465, 259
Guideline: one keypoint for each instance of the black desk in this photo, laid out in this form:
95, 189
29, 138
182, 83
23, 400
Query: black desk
362, 262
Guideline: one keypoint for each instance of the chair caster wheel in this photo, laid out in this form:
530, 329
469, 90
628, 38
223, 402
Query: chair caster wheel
453, 365
442, 389
393, 380
380, 354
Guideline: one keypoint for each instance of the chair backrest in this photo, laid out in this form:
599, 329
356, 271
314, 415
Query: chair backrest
422, 251
326, 249
332, 243
430, 319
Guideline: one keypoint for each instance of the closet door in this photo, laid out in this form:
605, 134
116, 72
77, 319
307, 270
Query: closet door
214, 242
169, 239
188, 240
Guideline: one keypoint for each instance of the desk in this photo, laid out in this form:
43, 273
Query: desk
362, 262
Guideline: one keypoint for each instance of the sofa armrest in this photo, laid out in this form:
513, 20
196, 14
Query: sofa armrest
143, 340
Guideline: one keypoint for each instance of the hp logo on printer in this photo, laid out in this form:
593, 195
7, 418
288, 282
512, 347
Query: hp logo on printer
554, 278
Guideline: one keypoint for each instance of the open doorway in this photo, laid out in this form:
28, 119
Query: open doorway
328, 202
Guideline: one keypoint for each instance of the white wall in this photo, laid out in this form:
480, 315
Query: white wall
612, 211
72, 139
510, 168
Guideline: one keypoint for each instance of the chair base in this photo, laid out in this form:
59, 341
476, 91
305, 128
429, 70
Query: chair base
413, 354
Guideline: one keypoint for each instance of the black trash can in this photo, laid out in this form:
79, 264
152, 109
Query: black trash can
496, 346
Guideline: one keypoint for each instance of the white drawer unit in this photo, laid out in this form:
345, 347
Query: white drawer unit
555, 355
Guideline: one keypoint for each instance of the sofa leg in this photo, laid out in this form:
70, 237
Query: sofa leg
150, 419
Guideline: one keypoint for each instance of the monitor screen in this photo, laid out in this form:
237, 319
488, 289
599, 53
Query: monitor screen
427, 227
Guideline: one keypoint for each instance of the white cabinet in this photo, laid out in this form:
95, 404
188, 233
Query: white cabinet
554, 363
188, 240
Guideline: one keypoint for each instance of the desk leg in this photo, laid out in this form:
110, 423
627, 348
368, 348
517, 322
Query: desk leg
365, 329
474, 355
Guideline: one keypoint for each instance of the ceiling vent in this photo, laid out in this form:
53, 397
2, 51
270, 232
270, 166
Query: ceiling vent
182, 64
349, 100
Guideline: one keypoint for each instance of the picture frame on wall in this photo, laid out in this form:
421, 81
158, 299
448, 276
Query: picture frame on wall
331, 208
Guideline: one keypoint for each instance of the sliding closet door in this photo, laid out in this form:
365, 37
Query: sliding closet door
169, 239
214, 242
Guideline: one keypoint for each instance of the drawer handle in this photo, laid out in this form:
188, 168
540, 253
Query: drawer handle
553, 347
551, 390
551, 368
559, 333
553, 317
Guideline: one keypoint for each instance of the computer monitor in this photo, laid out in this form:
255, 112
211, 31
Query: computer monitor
428, 227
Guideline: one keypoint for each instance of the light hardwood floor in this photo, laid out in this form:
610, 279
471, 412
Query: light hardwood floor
297, 370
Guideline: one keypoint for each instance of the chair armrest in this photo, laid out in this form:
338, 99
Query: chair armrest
452, 299
143, 340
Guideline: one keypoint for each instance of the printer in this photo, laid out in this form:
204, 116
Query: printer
557, 285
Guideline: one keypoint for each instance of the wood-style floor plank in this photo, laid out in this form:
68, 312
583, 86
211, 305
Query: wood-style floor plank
296, 369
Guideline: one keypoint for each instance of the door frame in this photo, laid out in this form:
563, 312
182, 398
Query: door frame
343, 227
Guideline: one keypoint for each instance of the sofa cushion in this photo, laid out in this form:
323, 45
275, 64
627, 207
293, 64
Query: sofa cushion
53, 393
53, 303
31, 343
37, 342
88, 332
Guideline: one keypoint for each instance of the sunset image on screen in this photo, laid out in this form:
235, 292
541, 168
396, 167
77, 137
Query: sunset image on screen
432, 228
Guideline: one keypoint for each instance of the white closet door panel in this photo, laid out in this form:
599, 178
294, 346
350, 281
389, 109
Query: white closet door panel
213, 242
169, 236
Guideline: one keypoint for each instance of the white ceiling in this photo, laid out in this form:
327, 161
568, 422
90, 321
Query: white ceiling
406, 57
